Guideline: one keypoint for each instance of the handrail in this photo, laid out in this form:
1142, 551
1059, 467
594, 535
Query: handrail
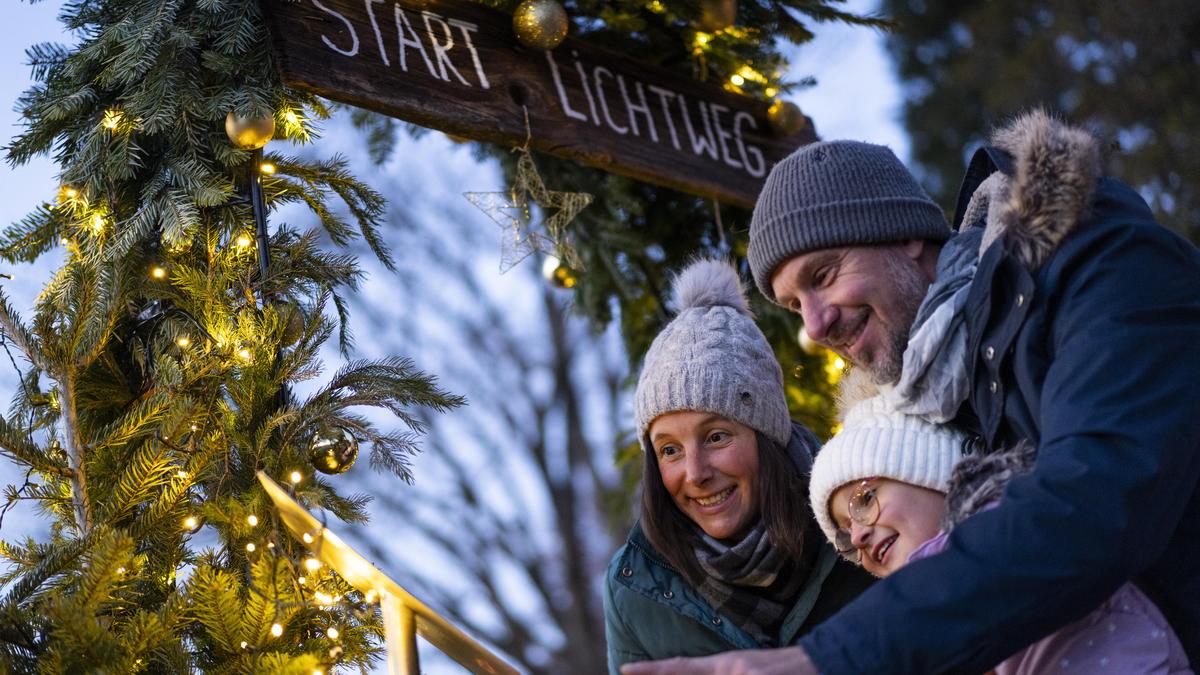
404, 616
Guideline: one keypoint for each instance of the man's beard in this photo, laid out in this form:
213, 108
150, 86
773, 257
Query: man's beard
911, 286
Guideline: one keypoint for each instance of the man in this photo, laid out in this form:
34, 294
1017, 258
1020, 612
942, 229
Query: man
1079, 319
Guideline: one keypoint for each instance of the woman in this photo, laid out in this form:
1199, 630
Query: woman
727, 554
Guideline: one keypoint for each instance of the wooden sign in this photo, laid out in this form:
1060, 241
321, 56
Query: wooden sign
455, 66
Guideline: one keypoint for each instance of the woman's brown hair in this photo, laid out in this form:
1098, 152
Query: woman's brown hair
782, 506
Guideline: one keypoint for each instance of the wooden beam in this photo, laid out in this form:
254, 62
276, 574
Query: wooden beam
455, 66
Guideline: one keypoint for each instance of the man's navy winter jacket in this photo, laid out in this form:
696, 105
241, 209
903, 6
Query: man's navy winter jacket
1084, 321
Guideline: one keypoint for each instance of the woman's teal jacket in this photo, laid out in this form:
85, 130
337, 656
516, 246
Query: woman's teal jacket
651, 612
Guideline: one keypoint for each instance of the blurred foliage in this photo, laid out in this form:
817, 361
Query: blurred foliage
1127, 70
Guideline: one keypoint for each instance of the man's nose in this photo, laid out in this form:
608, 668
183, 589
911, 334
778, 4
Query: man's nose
818, 320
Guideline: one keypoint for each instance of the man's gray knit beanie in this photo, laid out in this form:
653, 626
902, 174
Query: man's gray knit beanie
837, 193
712, 358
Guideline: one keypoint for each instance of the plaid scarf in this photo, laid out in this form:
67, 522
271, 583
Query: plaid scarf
751, 582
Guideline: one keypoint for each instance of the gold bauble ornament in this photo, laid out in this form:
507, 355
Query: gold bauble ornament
540, 24
785, 117
808, 345
333, 450
558, 274
249, 133
717, 15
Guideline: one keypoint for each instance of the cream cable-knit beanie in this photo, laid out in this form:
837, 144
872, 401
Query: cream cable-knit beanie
713, 358
877, 441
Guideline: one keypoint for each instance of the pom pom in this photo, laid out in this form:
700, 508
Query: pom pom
710, 283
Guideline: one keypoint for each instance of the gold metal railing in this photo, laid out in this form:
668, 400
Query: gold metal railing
404, 616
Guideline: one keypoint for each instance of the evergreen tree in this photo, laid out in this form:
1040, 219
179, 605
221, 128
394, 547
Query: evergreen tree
162, 354
1125, 69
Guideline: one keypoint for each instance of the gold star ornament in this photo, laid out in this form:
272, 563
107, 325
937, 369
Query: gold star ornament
511, 211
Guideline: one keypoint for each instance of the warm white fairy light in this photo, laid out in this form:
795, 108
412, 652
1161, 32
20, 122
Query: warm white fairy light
243, 240
332, 633
301, 580
183, 341
312, 564
190, 522
112, 119
250, 547
252, 520
245, 644
276, 629
296, 477
308, 539
181, 474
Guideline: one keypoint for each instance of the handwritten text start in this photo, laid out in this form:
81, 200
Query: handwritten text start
586, 92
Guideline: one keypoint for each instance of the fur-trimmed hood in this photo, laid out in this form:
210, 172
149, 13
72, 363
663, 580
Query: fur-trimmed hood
1053, 178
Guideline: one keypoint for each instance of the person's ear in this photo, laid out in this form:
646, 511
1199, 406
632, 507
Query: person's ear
913, 248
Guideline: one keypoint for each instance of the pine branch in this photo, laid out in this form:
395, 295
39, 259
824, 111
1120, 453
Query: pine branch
73, 444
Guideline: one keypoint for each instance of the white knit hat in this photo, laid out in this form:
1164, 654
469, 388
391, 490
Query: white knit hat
713, 358
877, 441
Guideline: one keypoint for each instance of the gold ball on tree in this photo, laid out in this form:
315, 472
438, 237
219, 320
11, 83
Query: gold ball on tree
249, 133
333, 450
540, 24
785, 117
558, 274
717, 15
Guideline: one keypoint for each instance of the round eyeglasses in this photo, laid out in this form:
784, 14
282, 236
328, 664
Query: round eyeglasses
863, 508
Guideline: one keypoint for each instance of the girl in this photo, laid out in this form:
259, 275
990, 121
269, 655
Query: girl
888, 489
726, 555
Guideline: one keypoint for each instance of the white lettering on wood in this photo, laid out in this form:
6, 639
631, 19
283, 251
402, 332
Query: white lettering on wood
349, 26
664, 97
704, 143
562, 91
631, 109
759, 168
723, 135
466, 28
413, 40
587, 88
440, 49
369, 4
596, 73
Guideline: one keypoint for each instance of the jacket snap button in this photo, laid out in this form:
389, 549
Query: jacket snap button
626, 572
989, 353
668, 594
716, 621
1020, 299
993, 387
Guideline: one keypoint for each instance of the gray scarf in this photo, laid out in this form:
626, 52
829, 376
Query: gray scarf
935, 378
751, 582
